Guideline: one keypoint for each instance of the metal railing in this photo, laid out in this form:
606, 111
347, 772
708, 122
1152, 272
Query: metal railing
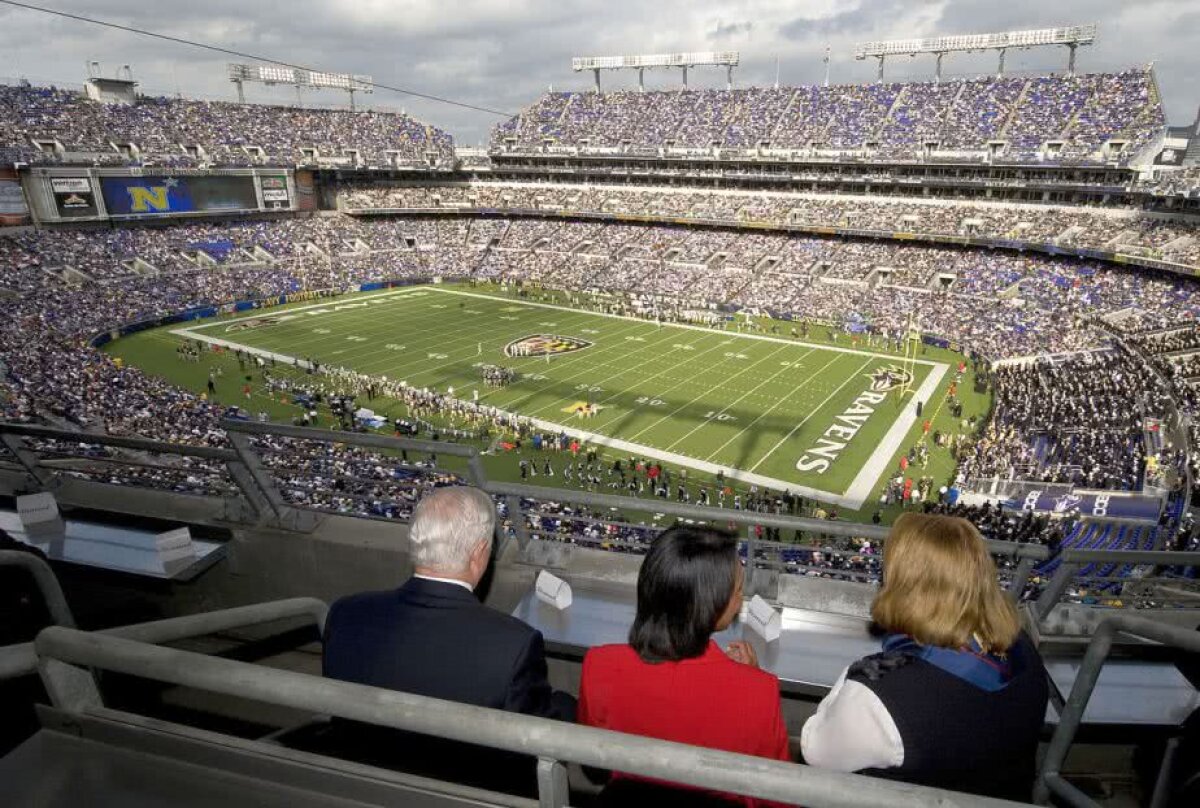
47, 584
1051, 781
260, 486
1016, 561
65, 655
21, 659
31, 444
1138, 589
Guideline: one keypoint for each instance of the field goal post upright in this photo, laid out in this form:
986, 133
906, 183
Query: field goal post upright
912, 341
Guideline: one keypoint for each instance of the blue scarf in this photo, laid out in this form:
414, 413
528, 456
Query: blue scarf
971, 664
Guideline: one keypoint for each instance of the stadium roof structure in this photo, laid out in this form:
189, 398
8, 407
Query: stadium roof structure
1071, 37
727, 59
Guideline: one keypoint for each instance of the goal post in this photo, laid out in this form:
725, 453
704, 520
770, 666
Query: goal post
912, 342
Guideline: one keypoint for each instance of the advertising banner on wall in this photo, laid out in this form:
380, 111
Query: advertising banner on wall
1131, 507
13, 210
275, 194
140, 196
73, 197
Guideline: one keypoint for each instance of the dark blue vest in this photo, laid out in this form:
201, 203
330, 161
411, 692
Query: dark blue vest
956, 734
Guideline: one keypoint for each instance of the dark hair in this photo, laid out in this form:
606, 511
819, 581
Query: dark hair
684, 585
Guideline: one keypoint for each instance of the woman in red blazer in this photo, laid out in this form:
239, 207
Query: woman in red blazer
671, 681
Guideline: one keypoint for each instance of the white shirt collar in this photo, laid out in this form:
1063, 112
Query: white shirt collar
454, 581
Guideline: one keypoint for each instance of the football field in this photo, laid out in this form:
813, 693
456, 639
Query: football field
768, 410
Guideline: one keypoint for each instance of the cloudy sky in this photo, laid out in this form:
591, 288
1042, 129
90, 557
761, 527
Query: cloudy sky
501, 54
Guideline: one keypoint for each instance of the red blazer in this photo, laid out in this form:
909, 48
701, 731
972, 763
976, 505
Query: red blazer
707, 701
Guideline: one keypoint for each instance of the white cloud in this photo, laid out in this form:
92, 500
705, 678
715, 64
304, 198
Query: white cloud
502, 54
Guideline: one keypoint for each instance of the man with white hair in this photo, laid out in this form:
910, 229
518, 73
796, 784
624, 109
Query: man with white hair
432, 636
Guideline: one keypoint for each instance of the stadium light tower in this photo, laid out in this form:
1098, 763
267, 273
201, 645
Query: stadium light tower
273, 74
727, 59
1072, 37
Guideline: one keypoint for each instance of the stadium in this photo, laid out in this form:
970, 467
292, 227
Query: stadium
243, 342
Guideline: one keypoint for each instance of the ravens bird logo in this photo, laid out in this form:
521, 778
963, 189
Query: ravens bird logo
892, 377
253, 322
544, 344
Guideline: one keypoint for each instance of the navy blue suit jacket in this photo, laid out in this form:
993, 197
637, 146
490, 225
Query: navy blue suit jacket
436, 639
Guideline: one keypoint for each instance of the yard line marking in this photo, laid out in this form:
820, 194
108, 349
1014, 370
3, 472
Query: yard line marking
692, 357
380, 324
622, 356
710, 422
808, 417
836, 358
707, 390
467, 341
377, 326
366, 360
259, 312
703, 329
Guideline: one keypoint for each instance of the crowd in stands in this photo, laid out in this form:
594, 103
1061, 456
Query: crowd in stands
1081, 420
1035, 300
668, 272
1171, 240
891, 120
1175, 352
167, 131
998, 524
347, 479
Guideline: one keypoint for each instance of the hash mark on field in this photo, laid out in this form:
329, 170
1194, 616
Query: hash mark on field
571, 361
708, 389
689, 327
624, 370
725, 410
815, 410
721, 448
320, 342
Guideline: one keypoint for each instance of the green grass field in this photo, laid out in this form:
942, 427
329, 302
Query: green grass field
805, 415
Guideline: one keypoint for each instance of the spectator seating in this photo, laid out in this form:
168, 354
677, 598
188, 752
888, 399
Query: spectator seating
177, 131
1053, 117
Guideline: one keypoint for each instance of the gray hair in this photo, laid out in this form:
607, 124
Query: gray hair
447, 524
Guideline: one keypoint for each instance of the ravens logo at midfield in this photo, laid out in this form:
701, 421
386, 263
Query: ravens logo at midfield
543, 344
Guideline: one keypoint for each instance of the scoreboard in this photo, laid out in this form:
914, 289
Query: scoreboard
59, 194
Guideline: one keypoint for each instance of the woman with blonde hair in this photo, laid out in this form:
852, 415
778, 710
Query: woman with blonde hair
957, 698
